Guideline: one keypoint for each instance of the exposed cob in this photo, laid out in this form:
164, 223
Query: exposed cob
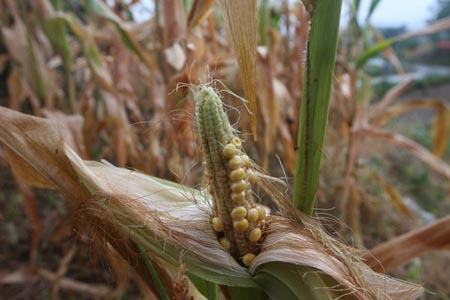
237, 220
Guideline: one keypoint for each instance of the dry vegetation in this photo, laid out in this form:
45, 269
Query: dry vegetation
123, 91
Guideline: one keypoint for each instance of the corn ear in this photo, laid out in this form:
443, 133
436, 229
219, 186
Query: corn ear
228, 172
172, 222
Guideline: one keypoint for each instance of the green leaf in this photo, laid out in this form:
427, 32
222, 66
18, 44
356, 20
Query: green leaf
128, 39
373, 6
287, 281
159, 285
208, 289
315, 100
90, 49
238, 293
375, 50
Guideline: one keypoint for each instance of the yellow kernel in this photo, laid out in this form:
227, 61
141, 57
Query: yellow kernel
225, 243
239, 186
236, 141
252, 215
255, 235
237, 175
262, 212
238, 213
246, 161
251, 177
248, 258
238, 197
235, 162
217, 224
229, 151
240, 225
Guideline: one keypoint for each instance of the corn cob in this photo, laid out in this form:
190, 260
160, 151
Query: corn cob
237, 220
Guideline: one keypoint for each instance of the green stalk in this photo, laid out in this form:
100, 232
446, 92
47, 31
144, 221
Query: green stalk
159, 285
325, 15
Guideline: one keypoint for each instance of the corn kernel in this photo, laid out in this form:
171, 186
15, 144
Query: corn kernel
217, 224
240, 225
248, 258
236, 141
262, 212
251, 177
252, 215
246, 161
237, 175
225, 243
238, 197
238, 187
238, 213
255, 235
229, 151
235, 162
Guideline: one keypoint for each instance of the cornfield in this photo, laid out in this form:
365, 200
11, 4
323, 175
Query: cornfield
216, 150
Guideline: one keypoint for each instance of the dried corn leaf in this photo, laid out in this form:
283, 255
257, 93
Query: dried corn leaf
390, 97
394, 196
441, 132
400, 250
241, 20
200, 10
435, 104
414, 148
23, 47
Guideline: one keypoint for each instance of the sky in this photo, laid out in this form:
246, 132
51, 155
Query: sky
412, 13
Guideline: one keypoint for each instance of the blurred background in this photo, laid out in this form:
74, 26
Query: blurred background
118, 76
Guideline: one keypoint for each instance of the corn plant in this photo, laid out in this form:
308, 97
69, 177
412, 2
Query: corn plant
217, 240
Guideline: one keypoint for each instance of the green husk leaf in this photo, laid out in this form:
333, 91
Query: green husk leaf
238, 293
208, 289
287, 281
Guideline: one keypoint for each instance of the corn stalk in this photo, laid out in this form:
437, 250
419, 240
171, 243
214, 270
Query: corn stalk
325, 15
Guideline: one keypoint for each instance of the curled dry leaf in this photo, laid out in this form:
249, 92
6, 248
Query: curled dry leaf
172, 223
400, 250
